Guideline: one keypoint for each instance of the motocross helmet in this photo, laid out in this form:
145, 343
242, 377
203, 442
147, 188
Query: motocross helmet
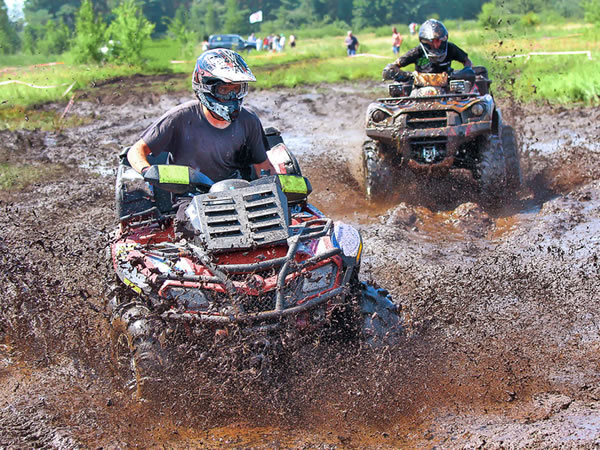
434, 30
220, 81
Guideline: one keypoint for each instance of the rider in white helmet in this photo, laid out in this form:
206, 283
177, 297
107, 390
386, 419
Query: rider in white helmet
434, 54
213, 134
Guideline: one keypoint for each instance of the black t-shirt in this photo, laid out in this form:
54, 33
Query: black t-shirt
417, 57
186, 134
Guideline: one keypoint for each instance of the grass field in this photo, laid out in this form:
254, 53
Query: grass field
564, 79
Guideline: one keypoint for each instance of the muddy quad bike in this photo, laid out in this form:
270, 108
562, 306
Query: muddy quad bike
433, 124
213, 259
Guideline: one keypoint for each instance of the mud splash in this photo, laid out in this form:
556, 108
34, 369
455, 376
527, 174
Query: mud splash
501, 305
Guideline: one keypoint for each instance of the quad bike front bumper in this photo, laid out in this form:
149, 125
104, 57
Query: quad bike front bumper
430, 151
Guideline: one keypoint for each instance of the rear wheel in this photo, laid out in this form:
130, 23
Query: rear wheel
378, 175
136, 352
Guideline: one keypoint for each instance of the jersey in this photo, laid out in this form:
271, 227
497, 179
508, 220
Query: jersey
184, 132
417, 57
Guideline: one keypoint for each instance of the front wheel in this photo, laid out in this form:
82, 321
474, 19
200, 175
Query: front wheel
136, 353
511, 159
380, 316
378, 174
491, 169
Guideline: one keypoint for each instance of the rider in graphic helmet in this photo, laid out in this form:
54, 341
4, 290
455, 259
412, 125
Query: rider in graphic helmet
434, 54
213, 134
220, 81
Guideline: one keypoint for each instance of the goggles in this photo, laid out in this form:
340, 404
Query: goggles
228, 91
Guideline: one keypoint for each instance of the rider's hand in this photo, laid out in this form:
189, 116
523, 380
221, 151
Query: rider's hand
390, 71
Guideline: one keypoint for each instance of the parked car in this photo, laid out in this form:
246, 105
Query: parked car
231, 41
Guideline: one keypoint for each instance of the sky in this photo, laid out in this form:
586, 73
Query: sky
15, 8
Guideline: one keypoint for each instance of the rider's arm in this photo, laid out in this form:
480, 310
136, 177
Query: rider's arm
138, 155
410, 57
265, 165
468, 63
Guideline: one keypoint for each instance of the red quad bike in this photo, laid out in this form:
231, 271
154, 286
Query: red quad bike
433, 124
205, 260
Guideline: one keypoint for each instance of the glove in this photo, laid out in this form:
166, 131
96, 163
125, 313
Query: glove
390, 72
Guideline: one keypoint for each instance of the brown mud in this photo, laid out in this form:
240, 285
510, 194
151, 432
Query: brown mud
501, 304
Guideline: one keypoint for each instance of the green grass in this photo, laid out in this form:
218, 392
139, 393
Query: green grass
16, 177
561, 80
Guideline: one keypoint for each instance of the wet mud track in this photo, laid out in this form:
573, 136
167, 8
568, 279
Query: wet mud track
502, 305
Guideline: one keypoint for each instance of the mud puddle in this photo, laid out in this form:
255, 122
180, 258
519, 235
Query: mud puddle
501, 305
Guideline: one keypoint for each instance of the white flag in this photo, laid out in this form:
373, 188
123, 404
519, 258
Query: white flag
256, 17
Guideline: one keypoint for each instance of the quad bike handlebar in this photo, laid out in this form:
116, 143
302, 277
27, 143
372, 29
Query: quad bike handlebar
177, 179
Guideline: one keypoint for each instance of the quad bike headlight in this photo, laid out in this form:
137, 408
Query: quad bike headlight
379, 116
477, 109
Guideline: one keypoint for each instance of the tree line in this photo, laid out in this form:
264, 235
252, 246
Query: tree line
48, 26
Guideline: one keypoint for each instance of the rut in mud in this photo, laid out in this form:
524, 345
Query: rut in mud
501, 304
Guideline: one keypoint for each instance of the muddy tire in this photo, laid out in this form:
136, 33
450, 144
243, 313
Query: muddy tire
381, 322
511, 158
378, 175
136, 353
491, 170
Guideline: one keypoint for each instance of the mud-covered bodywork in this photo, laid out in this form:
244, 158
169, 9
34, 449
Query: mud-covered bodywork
436, 123
282, 265
431, 134
250, 256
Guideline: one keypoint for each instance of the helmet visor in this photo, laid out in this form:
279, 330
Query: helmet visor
435, 49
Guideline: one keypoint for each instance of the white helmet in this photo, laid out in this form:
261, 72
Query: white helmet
220, 81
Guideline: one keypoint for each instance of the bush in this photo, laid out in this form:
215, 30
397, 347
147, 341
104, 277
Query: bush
55, 38
591, 9
130, 30
490, 16
530, 19
89, 34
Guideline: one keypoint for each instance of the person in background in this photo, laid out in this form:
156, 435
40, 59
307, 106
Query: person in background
292, 40
351, 44
205, 43
252, 39
396, 41
412, 28
281, 43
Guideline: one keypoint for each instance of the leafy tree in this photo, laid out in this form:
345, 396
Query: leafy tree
65, 9
89, 34
9, 40
210, 20
130, 30
55, 38
178, 29
235, 19
591, 9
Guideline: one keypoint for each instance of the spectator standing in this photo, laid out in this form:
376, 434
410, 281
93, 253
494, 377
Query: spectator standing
396, 41
292, 40
281, 43
412, 28
351, 44
252, 39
